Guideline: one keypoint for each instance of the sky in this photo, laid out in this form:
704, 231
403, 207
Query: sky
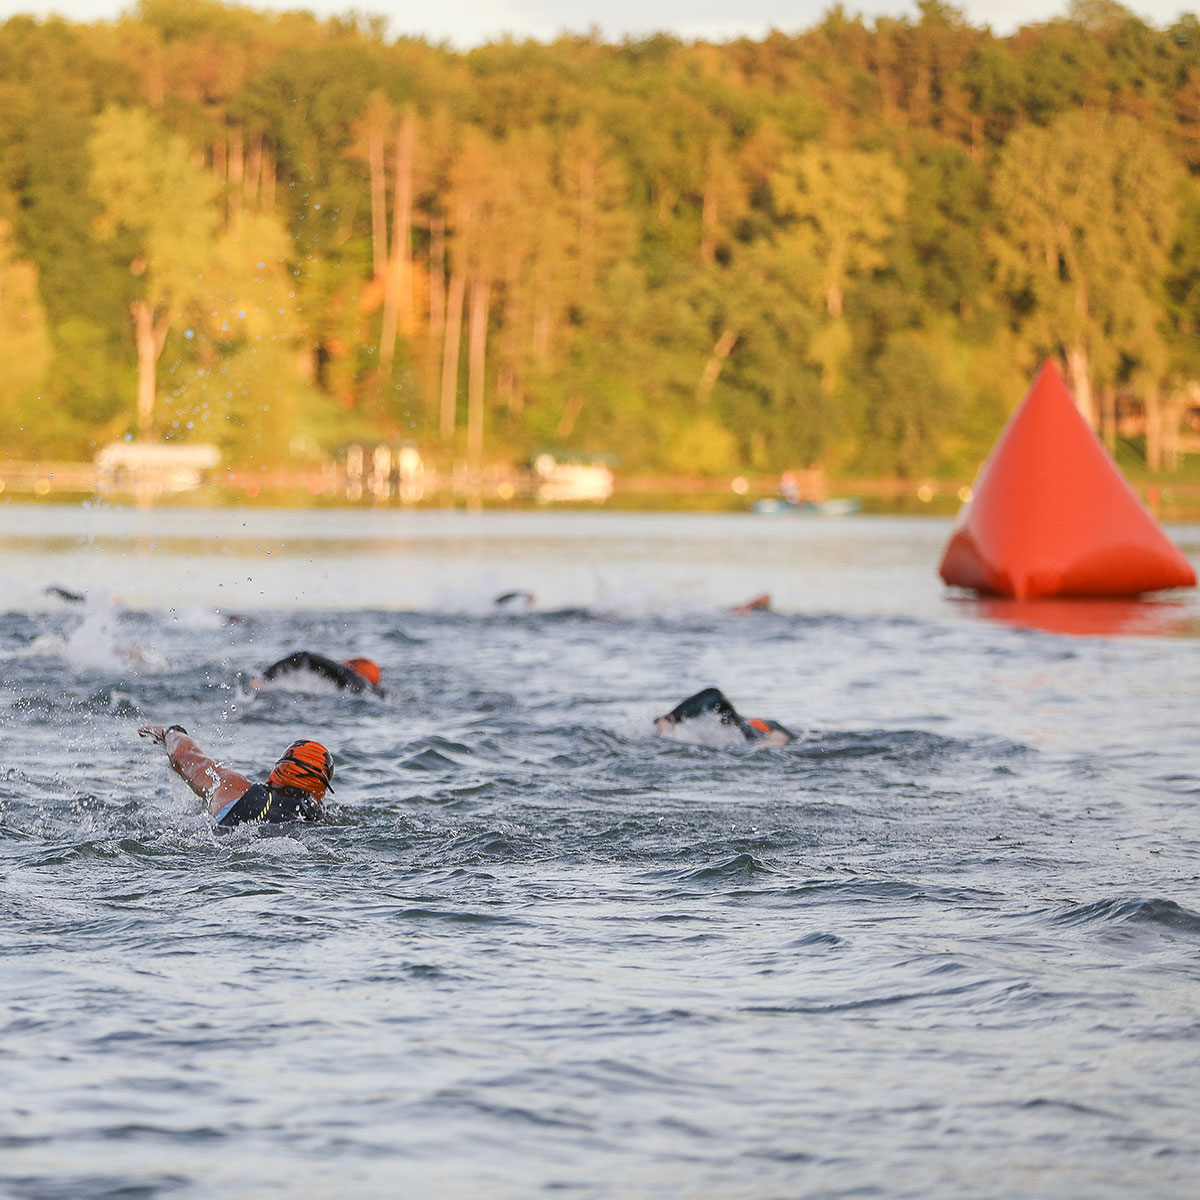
466, 23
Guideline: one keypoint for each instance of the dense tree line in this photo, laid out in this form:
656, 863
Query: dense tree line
847, 247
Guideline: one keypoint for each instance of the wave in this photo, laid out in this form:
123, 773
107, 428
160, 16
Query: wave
738, 869
1130, 911
903, 746
863, 1003
437, 754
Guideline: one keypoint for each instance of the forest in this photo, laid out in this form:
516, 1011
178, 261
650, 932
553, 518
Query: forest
845, 249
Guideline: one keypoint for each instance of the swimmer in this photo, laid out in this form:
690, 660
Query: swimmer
514, 601
66, 594
294, 791
760, 603
353, 675
712, 702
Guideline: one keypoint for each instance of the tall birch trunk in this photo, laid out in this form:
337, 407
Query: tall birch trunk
269, 181
397, 296
437, 300
379, 246
708, 227
716, 361
1080, 379
1154, 429
150, 336
835, 274
587, 224
402, 217
237, 170
1108, 417
254, 167
476, 364
1173, 409
450, 347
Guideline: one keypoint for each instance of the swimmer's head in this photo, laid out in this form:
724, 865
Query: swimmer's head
771, 732
368, 669
306, 766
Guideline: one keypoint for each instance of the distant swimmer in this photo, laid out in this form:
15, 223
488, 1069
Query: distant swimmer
352, 675
514, 601
711, 702
294, 790
760, 603
66, 594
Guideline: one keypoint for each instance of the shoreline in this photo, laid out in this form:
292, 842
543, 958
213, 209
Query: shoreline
504, 489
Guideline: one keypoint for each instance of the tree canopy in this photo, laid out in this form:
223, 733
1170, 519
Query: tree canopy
842, 248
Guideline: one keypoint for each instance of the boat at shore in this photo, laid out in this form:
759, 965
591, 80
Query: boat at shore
835, 506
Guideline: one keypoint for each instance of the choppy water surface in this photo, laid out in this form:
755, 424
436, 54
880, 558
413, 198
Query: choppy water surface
947, 944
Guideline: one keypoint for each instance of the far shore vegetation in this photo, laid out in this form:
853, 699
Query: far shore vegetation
843, 250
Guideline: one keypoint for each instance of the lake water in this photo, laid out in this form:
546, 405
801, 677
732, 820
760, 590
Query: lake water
945, 944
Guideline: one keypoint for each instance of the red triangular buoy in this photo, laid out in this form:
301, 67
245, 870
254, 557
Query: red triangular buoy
1051, 515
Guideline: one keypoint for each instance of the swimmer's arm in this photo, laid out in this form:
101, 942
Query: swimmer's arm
710, 700
318, 664
295, 661
300, 660
213, 782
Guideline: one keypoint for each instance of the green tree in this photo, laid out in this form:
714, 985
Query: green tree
24, 341
308, 102
707, 254
1087, 213
236, 374
769, 393
910, 415
1183, 288
154, 193
841, 206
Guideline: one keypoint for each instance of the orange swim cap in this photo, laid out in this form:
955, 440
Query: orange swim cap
305, 765
759, 724
368, 669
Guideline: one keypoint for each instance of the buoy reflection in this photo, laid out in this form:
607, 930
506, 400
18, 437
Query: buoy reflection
1084, 617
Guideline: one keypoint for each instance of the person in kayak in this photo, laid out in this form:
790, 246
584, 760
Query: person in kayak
355, 675
294, 790
712, 702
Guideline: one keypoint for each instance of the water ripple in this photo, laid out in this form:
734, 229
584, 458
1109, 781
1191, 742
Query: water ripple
946, 936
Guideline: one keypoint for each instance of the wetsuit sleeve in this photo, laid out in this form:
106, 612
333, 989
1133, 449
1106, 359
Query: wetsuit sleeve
301, 660
711, 700
318, 664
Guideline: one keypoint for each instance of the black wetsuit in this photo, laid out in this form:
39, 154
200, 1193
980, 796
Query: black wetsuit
346, 678
713, 700
260, 804
513, 598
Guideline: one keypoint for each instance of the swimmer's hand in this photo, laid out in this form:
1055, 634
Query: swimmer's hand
158, 733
